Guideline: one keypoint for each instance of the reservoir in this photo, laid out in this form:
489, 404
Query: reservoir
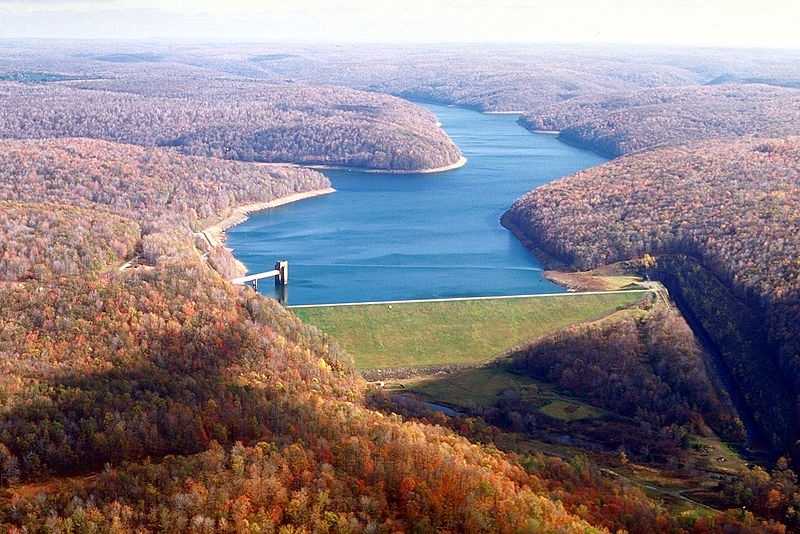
415, 236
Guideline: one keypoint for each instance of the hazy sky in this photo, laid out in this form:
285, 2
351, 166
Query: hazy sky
745, 23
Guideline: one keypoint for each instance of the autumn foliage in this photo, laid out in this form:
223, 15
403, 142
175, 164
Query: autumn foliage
151, 395
240, 120
646, 365
621, 123
38, 241
731, 206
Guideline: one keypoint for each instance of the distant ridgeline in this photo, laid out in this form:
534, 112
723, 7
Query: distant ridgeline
621, 123
36, 77
235, 119
721, 219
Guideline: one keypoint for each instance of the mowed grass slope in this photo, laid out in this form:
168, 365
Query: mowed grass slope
454, 332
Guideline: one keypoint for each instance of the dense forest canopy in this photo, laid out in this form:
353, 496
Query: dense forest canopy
487, 77
518, 77
730, 205
146, 184
646, 365
42, 240
152, 395
622, 123
240, 120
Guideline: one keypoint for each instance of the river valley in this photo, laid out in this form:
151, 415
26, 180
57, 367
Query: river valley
394, 237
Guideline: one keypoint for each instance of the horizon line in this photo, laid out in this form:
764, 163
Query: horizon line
421, 43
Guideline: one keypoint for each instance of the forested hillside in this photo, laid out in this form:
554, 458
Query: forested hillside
239, 120
505, 77
486, 77
38, 241
622, 123
646, 365
149, 185
153, 396
171, 400
720, 217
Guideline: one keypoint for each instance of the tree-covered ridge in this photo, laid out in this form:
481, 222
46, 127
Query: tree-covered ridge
487, 78
172, 360
43, 240
730, 205
150, 185
167, 194
373, 474
148, 363
646, 365
240, 120
500, 77
622, 123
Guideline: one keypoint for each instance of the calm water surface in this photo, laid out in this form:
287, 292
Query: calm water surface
398, 237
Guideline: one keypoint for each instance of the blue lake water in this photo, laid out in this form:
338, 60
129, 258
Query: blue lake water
399, 237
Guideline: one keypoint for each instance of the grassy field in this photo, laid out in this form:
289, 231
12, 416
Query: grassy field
473, 388
568, 410
481, 387
455, 332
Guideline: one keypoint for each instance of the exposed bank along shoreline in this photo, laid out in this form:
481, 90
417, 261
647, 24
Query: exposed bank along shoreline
215, 234
457, 165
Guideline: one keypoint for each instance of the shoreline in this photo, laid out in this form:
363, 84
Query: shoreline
453, 166
549, 262
590, 147
215, 234
575, 143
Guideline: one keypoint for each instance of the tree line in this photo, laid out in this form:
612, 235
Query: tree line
621, 123
237, 120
